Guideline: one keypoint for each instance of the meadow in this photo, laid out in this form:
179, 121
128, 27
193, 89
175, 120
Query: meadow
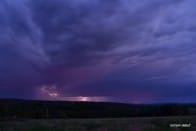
180, 123
31, 115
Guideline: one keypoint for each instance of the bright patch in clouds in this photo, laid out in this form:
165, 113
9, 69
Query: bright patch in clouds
51, 92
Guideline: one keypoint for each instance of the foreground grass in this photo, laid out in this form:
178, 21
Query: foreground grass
114, 124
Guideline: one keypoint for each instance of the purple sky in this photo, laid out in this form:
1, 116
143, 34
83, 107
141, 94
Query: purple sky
98, 50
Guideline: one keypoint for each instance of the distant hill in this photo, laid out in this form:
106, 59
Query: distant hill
64, 109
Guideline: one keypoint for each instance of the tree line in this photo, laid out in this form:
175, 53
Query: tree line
61, 109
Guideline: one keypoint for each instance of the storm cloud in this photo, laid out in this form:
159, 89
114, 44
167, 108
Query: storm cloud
122, 50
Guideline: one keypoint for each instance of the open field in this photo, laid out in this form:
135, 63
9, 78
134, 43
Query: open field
114, 124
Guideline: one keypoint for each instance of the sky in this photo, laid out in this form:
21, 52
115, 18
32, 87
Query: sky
126, 51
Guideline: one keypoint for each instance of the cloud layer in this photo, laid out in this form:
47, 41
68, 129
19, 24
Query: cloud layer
125, 51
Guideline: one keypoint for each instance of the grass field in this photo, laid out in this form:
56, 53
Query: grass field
114, 124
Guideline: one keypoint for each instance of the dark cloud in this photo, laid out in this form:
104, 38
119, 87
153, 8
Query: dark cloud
113, 48
74, 32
